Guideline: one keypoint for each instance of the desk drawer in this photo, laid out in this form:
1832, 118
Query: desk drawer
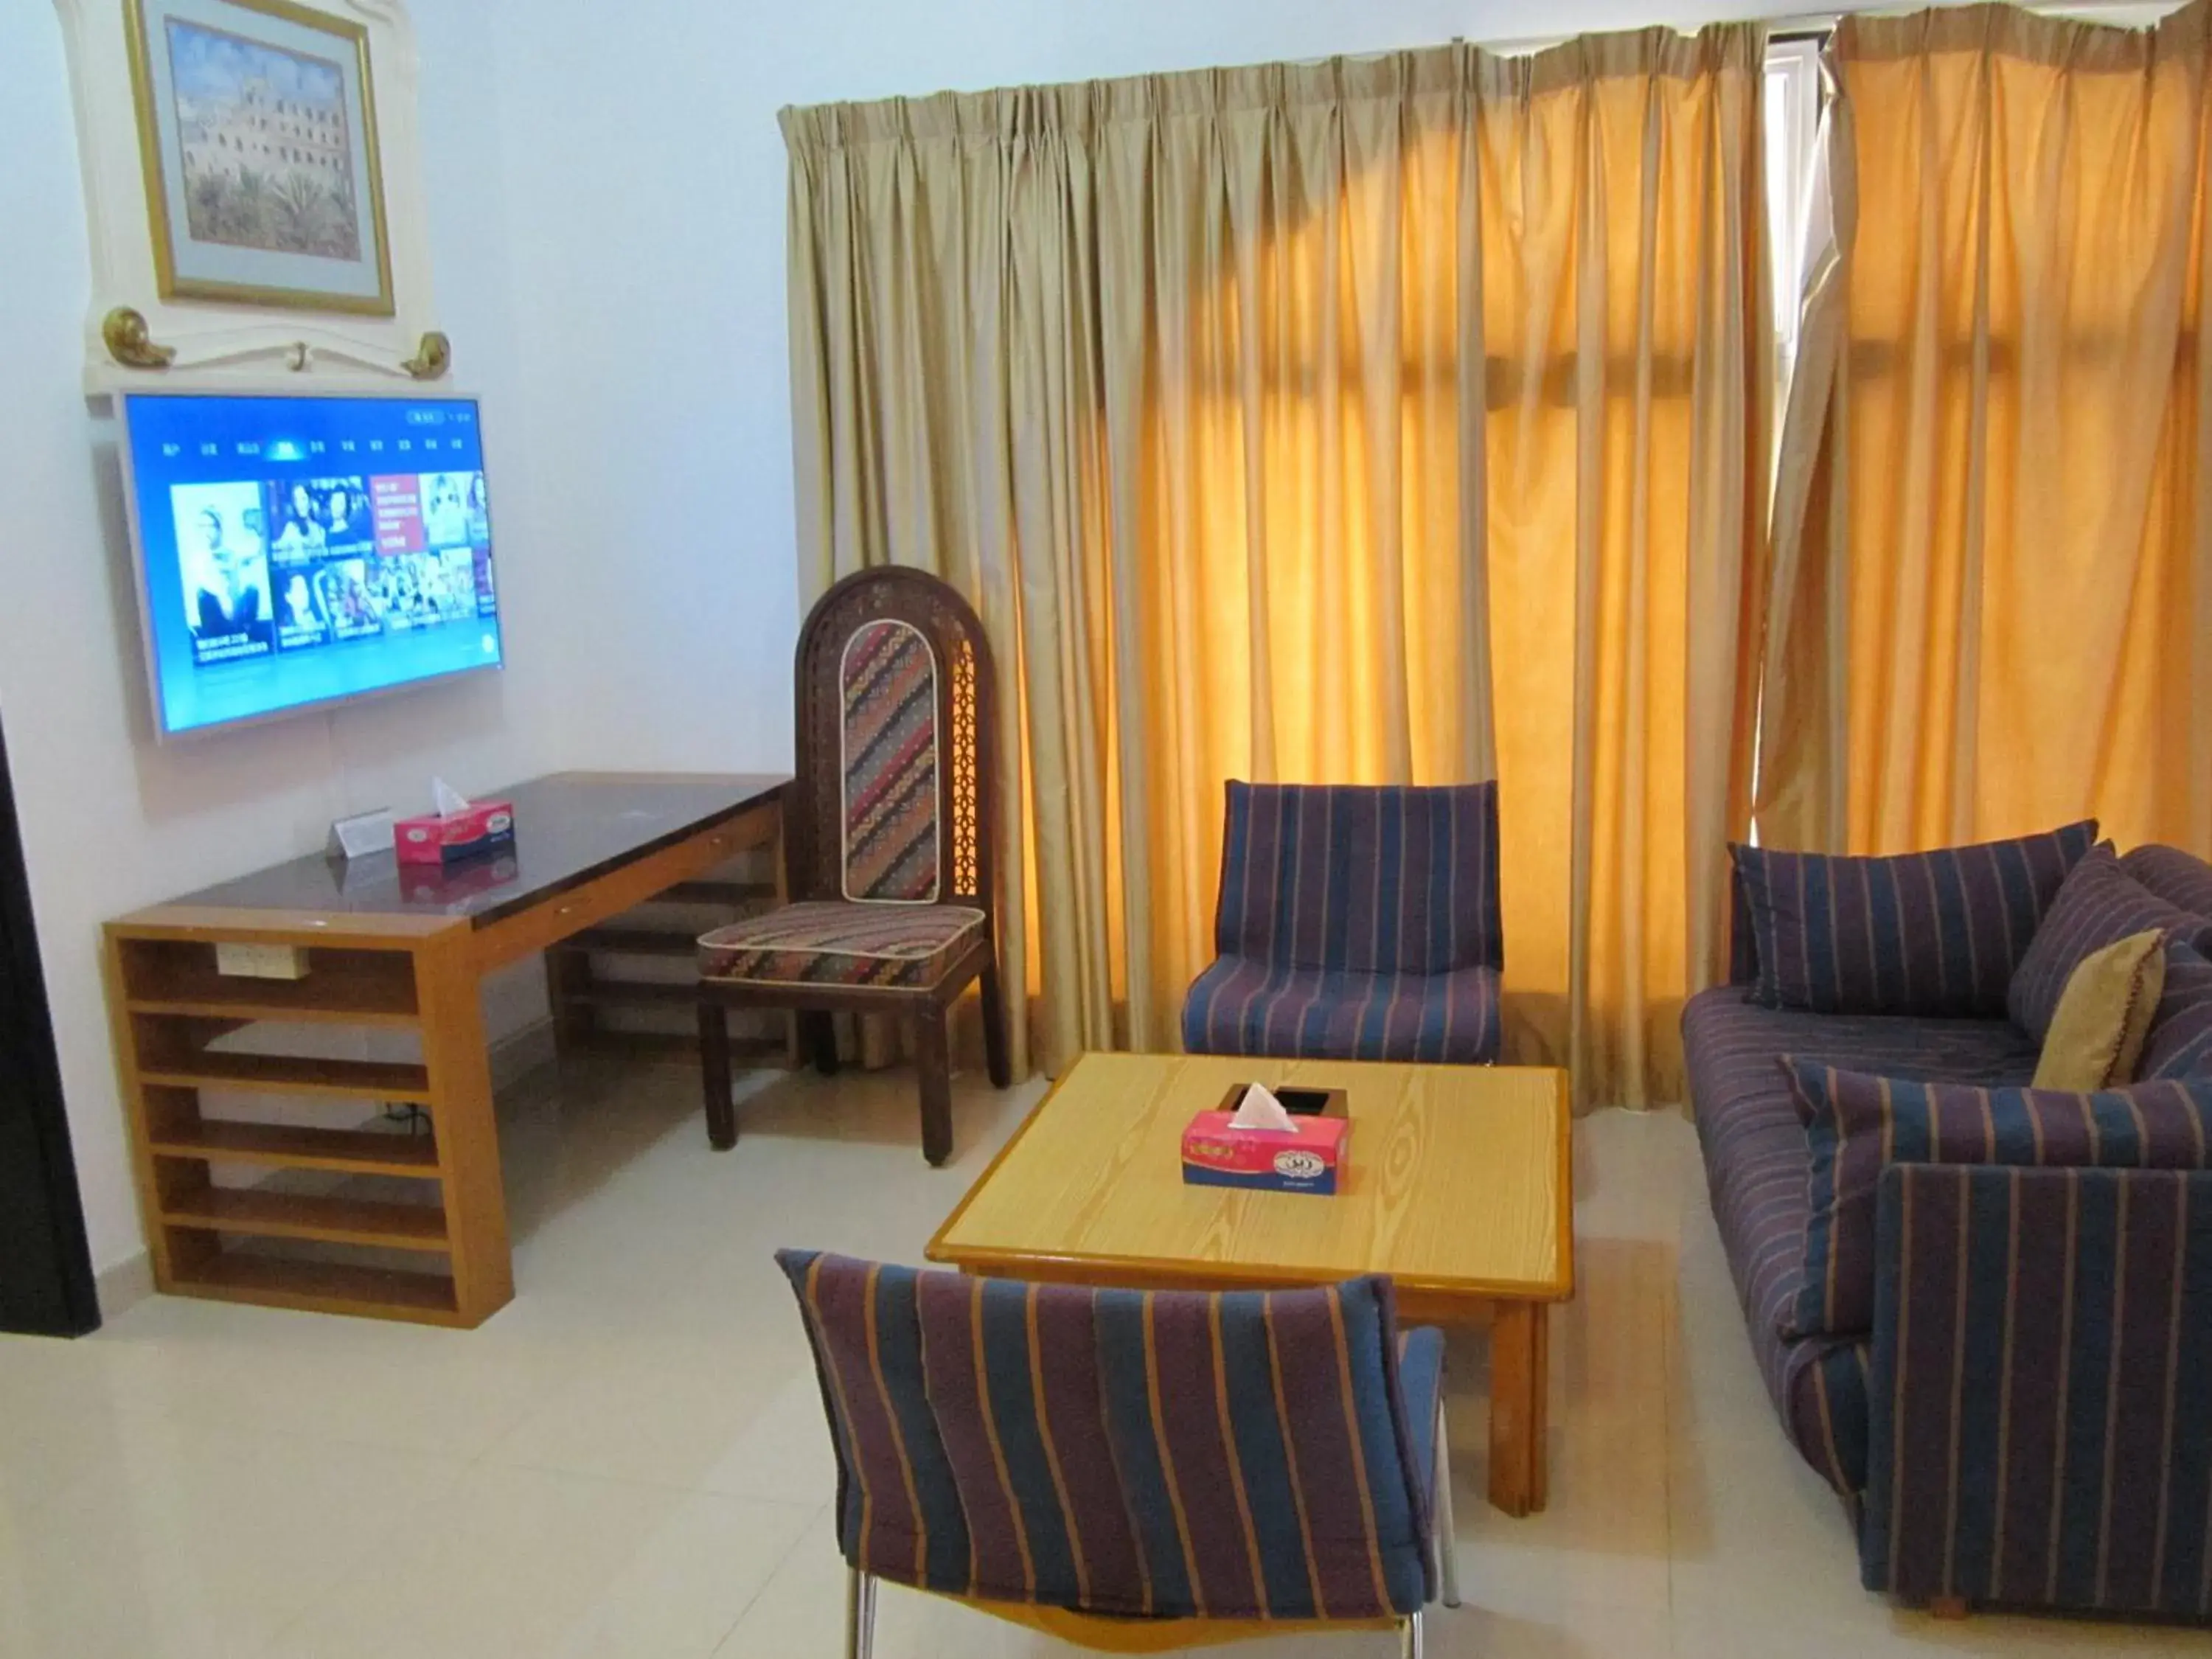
557, 918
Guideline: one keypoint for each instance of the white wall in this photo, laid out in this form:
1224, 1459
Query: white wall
644, 185
109, 821
607, 207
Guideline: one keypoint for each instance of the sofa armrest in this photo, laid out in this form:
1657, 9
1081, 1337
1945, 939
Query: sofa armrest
2042, 1353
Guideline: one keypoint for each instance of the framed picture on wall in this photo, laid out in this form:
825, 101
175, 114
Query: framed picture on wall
257, 124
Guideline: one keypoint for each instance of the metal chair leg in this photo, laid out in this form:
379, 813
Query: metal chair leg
1446, 1540
859, 1614
1410, 1638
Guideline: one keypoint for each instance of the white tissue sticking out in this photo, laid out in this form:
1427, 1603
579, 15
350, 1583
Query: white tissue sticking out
1260, 1109
449, 799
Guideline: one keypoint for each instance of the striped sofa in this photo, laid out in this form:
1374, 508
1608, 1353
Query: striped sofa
2050, 1449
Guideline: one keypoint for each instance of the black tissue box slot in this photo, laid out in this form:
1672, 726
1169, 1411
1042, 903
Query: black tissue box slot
1298, 1102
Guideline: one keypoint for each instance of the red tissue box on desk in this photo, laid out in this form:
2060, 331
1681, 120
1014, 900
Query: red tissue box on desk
484, 826
1308, 1157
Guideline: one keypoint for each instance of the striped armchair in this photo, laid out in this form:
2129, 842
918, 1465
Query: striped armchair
1354, 923
1130, 1469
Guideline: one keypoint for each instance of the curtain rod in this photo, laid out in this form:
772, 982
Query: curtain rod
1818, 24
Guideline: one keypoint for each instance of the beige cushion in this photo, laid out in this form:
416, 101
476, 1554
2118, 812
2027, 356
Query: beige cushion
2103, 1014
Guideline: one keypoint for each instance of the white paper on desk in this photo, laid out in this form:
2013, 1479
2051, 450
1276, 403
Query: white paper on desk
447, 799
1260, 1109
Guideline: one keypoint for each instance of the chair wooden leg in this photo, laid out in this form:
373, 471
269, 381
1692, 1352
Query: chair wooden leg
714, 1074
1949, 1607
817, 1037
934, 1062
996, 1055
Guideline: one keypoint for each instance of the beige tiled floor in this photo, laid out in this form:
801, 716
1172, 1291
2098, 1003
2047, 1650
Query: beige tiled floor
629, 1461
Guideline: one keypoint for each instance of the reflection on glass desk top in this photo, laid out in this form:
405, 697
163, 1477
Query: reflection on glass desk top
568, 828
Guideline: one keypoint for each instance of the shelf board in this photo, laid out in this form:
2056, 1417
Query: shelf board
247, 1006
291, 1074
632, 942
323, 1287
353, 1151
300, 1215
675, 1045
347, 987
716, 892
636, 993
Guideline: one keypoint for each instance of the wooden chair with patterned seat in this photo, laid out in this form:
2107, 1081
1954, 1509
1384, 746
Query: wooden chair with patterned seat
887, 845
1134, 1471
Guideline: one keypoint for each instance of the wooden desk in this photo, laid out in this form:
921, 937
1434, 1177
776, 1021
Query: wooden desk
1459, 1185
391, 948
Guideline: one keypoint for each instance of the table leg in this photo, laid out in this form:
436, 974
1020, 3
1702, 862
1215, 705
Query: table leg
461, 1115
1519, 1380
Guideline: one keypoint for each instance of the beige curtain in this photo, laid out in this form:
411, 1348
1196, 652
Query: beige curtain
1389, 420
1992, 606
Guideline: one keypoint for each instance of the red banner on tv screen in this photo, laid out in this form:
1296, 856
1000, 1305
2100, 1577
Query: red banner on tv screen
396, 501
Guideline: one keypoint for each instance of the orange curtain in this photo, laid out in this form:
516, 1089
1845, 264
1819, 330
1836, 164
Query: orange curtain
1993, 554
1388, 420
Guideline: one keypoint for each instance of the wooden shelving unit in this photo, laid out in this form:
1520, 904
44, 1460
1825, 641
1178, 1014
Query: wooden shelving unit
582, 988
325, 1207
175, 1009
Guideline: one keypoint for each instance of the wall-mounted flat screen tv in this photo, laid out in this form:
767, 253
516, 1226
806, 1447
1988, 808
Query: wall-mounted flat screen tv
295, 552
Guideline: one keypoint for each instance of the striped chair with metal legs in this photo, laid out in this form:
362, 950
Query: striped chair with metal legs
1354, 923
1129, 1470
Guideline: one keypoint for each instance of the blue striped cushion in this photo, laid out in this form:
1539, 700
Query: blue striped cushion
1858, 1125
1361, 880
2177, 877
1139, 1454
1239, 1007
2098, 904
1755, 1167
2180, 1041
1935, 934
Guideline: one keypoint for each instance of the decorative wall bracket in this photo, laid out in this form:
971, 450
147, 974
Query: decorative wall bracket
129, 341
432, 358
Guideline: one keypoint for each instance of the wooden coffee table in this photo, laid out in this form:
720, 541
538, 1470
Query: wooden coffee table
1459, 1184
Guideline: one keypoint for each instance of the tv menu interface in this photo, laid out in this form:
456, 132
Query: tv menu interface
297, 550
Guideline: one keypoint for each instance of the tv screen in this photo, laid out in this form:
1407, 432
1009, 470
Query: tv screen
294, 551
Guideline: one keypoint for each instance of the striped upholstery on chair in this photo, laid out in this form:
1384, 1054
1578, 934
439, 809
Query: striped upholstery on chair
821, 941
1755, 1169
1239, 1007
888, 681
2180, 1041
2099, 904
1361, 880
1935, 934
2177, 877
1354, 923
1146, 1454
1858, 1125
2044, 1441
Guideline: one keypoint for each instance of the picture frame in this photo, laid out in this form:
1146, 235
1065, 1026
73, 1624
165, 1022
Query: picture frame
258, 143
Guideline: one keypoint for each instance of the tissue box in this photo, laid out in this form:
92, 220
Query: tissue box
1308, 1161
484, 826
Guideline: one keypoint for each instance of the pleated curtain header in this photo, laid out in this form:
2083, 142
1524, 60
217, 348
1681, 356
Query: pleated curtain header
1070, 109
